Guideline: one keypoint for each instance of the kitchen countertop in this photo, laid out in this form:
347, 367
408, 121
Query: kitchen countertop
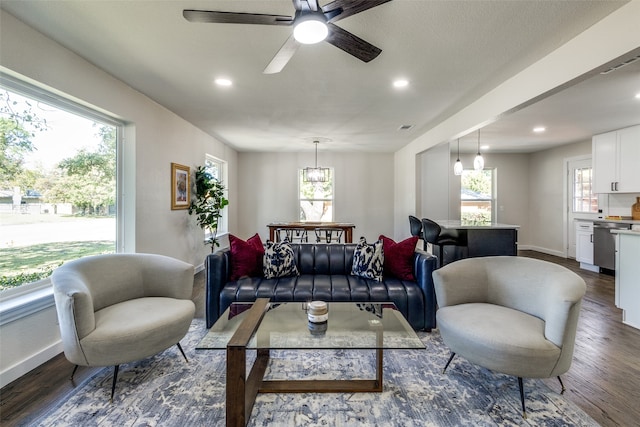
620, 231
449, 223
617, 221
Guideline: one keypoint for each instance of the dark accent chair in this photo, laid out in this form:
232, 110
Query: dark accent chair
432, 233
415, 227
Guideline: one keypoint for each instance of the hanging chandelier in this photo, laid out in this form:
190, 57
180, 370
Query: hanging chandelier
315, 174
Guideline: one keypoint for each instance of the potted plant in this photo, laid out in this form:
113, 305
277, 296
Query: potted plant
207, 204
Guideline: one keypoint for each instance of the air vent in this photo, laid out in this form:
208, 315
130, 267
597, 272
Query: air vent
405, 127
616, 67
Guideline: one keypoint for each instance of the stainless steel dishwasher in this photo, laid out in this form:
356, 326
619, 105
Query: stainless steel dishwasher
604, 243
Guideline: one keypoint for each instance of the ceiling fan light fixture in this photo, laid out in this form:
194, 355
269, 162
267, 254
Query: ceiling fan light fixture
310, 28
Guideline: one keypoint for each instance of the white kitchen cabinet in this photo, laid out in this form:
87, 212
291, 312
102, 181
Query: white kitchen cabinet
584, 245
616, 161
627, 296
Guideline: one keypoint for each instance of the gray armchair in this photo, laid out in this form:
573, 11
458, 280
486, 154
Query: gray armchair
513, 315
118, 308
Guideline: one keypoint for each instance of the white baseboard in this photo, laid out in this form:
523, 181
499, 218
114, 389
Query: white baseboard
26, 365
590, 267
543, 250
198, 268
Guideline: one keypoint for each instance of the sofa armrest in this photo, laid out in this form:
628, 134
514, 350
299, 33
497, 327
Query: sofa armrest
216, 267
423, 266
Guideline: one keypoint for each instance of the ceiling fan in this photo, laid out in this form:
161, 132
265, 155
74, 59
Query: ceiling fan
318, 20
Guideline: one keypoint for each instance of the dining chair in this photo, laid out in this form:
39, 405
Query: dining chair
328, 235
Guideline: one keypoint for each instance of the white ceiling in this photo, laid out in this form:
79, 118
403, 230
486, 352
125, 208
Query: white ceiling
450, 51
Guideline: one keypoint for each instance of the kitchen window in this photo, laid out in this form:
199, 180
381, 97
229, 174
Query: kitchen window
477, 195
584, 201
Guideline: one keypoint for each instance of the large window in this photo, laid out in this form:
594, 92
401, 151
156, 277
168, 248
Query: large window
218, 169
477, 195
584, 201
316, 199
57, 184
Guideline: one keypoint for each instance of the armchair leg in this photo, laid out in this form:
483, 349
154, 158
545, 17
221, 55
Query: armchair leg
524, 410
115, 378
449, 361
561, 385
182, 351
75, 368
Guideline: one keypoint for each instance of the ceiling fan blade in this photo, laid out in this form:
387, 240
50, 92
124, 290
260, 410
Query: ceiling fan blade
209, 16
352, 44
313, 5
349, 7
283, 56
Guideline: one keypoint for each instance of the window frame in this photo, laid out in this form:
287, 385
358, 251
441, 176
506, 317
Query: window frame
223, 223
332, 199
591, 196
492, 200
33, 297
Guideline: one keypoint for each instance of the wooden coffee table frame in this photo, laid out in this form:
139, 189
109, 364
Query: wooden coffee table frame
242, 390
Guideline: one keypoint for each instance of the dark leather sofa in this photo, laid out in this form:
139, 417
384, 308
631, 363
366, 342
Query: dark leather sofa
324, 275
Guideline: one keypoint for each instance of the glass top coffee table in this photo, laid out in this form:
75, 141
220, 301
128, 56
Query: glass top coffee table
263, 326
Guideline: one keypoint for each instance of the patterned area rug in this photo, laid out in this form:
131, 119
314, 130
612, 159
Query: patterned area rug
165, 391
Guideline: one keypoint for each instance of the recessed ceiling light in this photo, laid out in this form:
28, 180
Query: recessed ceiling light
223, 82
638, 95
484, 147
400, 83
539, 129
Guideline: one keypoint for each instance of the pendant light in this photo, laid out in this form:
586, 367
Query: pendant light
457, 168
478, 162
315, 174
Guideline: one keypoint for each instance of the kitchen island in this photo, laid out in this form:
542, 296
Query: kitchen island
483, 239
627, 295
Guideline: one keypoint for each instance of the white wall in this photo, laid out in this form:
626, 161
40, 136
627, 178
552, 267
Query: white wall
433, 183
268, 190
547, 196
155, 137
612, 37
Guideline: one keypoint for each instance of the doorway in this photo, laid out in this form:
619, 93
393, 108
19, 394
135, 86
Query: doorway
580, 201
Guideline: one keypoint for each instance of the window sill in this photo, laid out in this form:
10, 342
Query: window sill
23, 303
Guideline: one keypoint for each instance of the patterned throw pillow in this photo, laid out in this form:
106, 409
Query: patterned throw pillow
368, 260
279, 260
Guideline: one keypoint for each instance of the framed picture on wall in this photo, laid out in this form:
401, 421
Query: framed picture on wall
180, 187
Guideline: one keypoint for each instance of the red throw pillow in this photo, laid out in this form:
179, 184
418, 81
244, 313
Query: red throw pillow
246, 257
398, 257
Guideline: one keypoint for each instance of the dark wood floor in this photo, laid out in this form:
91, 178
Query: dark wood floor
604, 379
